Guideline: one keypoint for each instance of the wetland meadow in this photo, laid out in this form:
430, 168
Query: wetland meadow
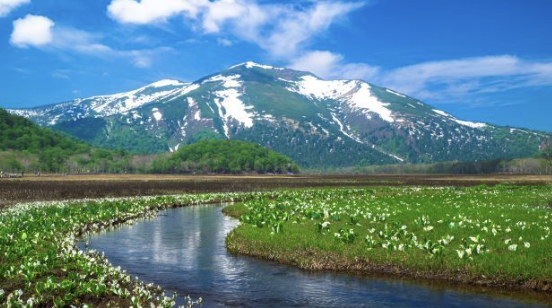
484, 237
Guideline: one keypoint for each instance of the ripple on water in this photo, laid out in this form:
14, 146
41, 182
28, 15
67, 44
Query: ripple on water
183, 250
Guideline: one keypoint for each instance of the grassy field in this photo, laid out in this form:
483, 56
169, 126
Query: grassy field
493, 236
40, 265
56, 187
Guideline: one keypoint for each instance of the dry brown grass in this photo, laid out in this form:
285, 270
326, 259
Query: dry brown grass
57, 187
148, 177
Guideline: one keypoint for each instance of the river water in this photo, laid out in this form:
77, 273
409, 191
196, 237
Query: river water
183, 250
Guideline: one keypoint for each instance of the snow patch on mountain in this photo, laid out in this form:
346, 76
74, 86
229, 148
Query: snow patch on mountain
166, 83
395, 93
442, 113
228, 101
192, 104
135, 115
250, 65
356, 139
107, 105
232, 81
157, 114
320, 89
356, 94
342, 128
464, 123
231, 107
470, 124
363, 99
26, 113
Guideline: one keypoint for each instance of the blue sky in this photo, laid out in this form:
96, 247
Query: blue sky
479, 60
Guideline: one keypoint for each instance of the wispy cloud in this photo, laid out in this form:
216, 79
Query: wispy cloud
41, 32
453, 80
6, 6
482, 74
460, 80
282, 30
224, 42
333, 66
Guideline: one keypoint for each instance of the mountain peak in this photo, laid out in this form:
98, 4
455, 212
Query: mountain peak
315, 121
251, 64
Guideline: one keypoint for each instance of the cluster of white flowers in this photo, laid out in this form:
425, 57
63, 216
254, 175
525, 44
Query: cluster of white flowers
39, 238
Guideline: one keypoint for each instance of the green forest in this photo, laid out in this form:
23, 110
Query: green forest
224, 156
24, 146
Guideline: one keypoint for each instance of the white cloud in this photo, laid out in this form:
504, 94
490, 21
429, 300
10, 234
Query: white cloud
150, 11
456, 79
224, 42
41, 32
332, 66
6, 6
281, 30
295, 27
32, 31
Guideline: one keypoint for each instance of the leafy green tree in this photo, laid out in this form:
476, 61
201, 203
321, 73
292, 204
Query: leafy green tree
224, 156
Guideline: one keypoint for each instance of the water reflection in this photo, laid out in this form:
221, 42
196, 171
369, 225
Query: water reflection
183, 250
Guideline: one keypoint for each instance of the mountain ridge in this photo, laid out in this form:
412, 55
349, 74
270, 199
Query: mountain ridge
314, 121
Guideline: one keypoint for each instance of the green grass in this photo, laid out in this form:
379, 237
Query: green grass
493, 236
413, 231
40, 265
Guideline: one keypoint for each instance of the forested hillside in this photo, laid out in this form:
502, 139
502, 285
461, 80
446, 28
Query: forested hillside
17, 133
24, 146
224, 156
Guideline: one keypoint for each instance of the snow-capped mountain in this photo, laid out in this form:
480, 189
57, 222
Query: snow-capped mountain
314, 121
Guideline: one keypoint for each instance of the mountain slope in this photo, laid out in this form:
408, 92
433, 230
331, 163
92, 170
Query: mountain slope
314, 121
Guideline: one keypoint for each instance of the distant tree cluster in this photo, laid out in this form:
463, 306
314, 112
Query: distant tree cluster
547, 151
534, 165
224, 156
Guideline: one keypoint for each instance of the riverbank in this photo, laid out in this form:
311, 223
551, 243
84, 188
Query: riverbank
492, 236
41, 266
487, 237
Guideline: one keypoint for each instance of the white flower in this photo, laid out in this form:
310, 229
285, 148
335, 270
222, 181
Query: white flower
512, 247
428, 228
527, 244
460, 254
480, 248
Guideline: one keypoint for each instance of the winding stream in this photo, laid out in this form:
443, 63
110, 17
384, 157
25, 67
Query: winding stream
183, 250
